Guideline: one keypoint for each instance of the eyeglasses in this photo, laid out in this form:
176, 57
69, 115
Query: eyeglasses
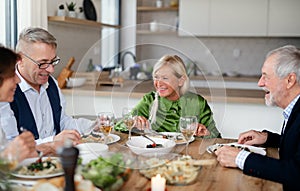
44, 65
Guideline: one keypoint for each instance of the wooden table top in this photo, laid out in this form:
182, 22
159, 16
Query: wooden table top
210, 177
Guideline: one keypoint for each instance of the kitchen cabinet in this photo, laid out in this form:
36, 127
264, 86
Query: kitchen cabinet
238, 18
284, 18
223, 17
194, 17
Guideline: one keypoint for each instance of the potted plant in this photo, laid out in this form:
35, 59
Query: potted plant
80, 15
61, 10
71, 8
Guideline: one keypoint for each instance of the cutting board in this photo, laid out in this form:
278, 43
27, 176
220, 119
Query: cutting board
65, 73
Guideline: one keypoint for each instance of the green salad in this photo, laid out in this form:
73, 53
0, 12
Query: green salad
108, 173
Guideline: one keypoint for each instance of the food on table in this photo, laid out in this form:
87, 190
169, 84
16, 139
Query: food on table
107, 173
92, 138
58, 184
45, 166
153, 145
182, 170
236, 146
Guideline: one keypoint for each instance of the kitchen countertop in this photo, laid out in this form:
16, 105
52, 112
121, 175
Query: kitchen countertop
136, 89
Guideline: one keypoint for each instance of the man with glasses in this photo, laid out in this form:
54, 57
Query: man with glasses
39, 105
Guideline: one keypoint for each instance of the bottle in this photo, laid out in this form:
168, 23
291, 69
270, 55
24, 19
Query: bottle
69, 156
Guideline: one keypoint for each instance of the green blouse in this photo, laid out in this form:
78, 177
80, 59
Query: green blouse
169, 112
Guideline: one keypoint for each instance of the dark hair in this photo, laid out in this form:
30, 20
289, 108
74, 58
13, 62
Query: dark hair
8, 60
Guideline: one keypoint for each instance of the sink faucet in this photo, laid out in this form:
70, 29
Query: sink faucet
123, 57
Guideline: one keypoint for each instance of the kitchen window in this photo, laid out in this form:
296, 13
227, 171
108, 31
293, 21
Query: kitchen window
8, 23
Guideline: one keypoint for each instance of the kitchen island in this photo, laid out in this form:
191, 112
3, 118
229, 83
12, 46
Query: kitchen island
235, 110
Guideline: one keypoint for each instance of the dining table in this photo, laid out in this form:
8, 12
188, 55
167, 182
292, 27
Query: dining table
212, 176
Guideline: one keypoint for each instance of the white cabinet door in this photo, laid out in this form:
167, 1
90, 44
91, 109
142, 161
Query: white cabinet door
238, 17
284, 18
194, 17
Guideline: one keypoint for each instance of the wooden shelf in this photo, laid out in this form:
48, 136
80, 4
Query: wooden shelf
146, 32
70, 20
157, 9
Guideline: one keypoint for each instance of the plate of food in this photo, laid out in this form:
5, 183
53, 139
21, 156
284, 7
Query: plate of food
99, 138
177, 137
32, 168
258, 150
108, 172
90, 148
181, 170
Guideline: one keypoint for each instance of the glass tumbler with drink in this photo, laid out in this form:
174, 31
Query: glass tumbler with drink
188, 125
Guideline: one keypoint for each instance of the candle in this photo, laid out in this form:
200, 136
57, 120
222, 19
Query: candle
158, 183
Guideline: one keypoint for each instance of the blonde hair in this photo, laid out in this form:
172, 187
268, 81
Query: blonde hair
177, 68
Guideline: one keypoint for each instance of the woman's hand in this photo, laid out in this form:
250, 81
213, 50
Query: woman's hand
202, 130
142, 123
23, 146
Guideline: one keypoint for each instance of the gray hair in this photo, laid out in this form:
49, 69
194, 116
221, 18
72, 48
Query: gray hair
177, 67
33, 35
288, 61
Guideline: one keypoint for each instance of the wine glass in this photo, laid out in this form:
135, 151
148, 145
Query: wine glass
188, 126
129, 115
105, 123
8, 162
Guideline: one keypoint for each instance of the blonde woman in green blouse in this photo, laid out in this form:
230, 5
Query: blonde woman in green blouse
172, 99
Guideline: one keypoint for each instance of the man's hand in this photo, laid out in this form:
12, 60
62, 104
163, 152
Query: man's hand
253, 137
226, 156
50, 148
72, 135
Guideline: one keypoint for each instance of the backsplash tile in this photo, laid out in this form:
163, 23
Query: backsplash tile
252, 51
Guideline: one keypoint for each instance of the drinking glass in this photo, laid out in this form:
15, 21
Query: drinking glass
129, 116
105, 123
8, 162
188, 126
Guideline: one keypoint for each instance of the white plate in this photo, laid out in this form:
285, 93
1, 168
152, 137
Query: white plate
27, 162
258, 150
175, 134
114, 138
91, 148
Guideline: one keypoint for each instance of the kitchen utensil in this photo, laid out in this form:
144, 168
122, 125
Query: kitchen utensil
153, 145
65, 73
75, 82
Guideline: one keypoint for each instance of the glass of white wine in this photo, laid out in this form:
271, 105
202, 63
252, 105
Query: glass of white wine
188, 126
129, 116
8, 162
105, 123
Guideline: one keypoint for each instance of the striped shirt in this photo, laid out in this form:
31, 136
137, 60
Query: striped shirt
241, 157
